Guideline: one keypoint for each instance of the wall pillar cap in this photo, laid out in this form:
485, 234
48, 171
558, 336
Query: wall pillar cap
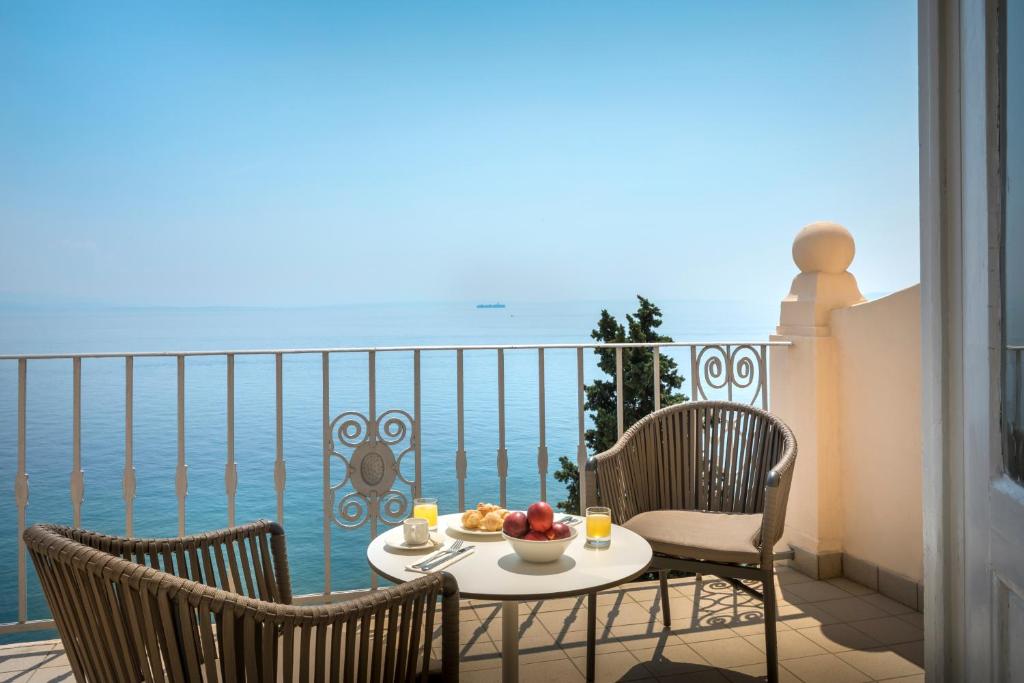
822, 251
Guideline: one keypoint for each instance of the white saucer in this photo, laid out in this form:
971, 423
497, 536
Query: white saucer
395, 540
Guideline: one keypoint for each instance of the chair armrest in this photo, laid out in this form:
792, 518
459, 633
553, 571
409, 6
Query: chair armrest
776, 498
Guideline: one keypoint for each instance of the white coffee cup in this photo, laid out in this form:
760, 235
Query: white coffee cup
416, 531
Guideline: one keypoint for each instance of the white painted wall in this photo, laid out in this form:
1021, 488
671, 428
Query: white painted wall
878, 364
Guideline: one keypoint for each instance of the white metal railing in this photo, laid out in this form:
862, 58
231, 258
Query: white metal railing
716, 370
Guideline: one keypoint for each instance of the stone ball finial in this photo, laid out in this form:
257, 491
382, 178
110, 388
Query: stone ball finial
823, 247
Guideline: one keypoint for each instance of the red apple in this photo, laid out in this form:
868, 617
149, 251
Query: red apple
560, 530
550, 533
535, 536
515, 524
540, 516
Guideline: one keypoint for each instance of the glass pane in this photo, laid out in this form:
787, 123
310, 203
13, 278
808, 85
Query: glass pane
1013, 237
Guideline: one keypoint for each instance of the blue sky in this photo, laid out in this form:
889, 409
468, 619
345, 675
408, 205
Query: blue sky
327, 153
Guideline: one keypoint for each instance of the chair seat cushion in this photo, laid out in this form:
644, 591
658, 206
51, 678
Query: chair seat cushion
712, 536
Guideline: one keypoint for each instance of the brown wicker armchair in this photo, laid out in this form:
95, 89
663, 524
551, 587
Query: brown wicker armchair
216, 607
706, 483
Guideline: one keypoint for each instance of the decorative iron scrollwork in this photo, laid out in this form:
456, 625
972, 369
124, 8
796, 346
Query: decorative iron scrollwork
373, 486
738, 370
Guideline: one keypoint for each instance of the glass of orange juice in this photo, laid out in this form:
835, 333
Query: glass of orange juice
599, 527
426, 508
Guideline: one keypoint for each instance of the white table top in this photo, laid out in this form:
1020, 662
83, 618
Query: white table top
494, 571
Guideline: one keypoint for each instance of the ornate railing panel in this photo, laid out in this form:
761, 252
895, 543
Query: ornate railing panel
372, 463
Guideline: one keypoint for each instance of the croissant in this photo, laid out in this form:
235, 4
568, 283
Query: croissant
471, 519
492, 521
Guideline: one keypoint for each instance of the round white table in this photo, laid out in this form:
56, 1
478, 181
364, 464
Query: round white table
494, 572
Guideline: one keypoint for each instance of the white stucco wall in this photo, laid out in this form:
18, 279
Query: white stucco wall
878, 363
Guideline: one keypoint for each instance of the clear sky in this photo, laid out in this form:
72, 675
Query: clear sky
301, 153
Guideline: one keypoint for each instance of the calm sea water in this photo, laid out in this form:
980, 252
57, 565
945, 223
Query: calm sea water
49, 412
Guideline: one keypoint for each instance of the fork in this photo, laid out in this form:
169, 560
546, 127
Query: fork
453, 548
570, 520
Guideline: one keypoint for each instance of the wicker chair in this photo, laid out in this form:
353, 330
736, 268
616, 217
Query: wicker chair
216, 607
706, 483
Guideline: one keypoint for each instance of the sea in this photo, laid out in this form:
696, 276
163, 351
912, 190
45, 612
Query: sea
49, 442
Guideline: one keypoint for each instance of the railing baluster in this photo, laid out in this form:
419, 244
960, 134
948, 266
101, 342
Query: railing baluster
542, 449
230, 468
181, 475
21, 491
762, 368
77, 475
657, 378
581, 443
460, 454
695, 393
618, 389
279, 466
502, 450
727, 354
417, 417
128, 485
325, 370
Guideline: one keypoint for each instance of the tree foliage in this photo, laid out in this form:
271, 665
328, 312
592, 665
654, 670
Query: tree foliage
637, 386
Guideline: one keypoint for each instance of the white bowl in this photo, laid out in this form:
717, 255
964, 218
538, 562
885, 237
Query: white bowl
541, 551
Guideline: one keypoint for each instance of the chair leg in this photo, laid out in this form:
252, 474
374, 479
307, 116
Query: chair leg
771, 644
666, 612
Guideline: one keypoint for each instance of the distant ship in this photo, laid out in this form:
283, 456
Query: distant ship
490, 305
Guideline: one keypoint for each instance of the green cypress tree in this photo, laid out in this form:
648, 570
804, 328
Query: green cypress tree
637, 387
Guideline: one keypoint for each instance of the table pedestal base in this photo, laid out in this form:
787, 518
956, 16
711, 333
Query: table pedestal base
510, 641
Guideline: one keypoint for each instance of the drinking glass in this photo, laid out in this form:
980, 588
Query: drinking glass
599, 527
426, 508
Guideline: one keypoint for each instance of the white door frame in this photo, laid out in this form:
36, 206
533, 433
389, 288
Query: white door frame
971, 557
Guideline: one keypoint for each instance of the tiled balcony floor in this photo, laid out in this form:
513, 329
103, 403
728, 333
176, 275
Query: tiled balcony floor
834, 631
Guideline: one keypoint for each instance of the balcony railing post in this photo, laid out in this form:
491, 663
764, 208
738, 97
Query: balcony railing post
181, 474
417, 418
502, 450
128, 478
581, 444
77, 474
618, 391
460, 453
231, 469
325, 371
542, 449
21, 491
279, 463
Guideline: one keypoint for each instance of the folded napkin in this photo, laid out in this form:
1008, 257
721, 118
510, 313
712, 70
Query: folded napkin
438, 567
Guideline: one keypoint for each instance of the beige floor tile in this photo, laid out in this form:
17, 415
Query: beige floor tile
559, 671
915, 678
559, 623
792, 645
562, 604
672, 660
703, 634
914, 619
627, 613
813, 591
887, 605
880, 663
749, 672
56, 674
733, 651
889, 630
788, 575
851, 587
613, 666
851, 609
577, 646
702, 676
28, 657
838, 637
643, 636
479, 655
805, 616
912, 652
756, 628
528, 628
826, 667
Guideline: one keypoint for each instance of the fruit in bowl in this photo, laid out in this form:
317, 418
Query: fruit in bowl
535, 536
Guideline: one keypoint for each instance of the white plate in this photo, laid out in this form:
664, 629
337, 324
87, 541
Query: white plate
395, 539
474, 532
